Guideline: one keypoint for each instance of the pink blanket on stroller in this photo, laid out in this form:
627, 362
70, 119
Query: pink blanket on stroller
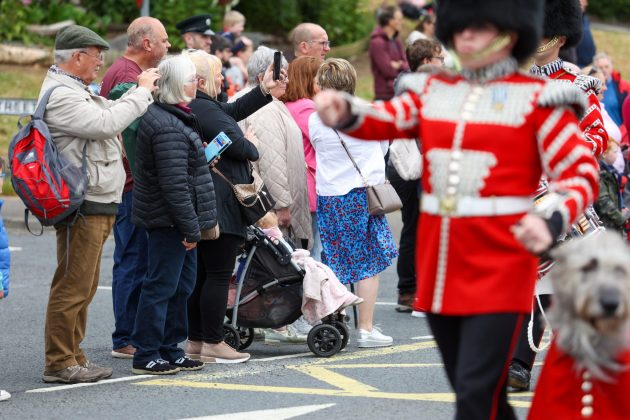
323, 293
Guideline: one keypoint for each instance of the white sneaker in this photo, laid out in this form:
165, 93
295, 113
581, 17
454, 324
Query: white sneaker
418, 314
4, 395
288, 336
301, 326
373, 338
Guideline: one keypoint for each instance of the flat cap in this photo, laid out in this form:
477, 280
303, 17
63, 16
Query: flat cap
198, 23
76, 36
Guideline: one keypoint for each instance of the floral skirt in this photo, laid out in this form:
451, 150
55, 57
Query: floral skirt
355, 244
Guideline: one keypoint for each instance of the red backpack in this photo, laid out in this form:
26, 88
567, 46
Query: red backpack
50, 187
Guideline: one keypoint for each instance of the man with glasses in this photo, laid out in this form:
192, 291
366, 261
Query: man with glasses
147, 45
310, 39
84, 126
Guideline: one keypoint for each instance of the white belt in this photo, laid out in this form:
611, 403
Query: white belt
468, 206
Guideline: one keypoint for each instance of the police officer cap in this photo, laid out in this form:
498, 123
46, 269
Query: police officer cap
199, 23
76, 36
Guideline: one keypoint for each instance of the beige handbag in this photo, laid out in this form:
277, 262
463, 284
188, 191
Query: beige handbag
382, 198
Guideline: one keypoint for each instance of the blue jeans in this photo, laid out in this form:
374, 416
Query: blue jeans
130, 270
161, 320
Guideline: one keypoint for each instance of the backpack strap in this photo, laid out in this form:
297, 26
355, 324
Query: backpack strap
41, 230
41, 106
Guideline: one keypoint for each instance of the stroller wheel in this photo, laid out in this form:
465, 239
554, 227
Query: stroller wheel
324, 340
345, 333
246, 335
231, 336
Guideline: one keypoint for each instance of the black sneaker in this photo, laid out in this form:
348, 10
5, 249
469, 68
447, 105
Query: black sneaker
186, 363
519, 377
156, 367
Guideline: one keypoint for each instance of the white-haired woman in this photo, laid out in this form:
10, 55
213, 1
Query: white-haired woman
207, 305
281, 153
174, 201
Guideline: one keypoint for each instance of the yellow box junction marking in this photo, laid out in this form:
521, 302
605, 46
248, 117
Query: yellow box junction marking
324, 370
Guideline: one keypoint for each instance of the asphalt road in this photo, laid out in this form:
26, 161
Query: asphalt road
402, 382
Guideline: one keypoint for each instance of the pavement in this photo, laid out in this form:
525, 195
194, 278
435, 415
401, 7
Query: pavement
13, 214
405, 381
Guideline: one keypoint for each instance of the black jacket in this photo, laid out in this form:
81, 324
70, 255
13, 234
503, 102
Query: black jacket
172, 183
215, 117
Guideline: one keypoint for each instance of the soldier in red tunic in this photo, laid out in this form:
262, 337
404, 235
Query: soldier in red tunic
562, 27
488, 135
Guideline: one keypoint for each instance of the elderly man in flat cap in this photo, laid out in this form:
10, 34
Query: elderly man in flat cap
82, 124
196, 32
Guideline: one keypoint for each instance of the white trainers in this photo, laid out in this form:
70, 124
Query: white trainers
288, 336
301, 326
418, 314
373, 338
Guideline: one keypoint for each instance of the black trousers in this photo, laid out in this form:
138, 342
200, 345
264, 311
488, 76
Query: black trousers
523, 352
476, 351
208, 302
409, 193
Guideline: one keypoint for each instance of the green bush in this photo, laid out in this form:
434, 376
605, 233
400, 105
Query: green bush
344, 21
616, 10
16, 15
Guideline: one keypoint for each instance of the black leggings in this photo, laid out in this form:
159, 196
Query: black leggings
208, 302
476, 351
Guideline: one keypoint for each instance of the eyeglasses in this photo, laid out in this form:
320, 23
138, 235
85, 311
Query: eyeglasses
324, 44
99, 57
193, 79
439, 58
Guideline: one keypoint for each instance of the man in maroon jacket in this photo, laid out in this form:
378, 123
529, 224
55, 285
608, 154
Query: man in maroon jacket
387, 55
147, 45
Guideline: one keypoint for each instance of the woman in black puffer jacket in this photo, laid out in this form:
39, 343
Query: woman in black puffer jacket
207, 305
173, 198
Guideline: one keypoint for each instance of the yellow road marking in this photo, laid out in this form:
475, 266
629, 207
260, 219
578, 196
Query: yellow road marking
321, 369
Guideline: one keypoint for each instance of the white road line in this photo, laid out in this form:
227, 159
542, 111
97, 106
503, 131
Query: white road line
286, 356
104, 287
15, 248
273, 414
103, 382
422, 337
387, 303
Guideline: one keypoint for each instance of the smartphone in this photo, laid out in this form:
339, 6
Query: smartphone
217, 146
277, 65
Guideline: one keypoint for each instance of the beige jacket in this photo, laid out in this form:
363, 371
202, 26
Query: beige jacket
281, 163
76, 117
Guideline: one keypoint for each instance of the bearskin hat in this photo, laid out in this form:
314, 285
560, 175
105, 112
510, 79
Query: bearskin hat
523, 16
563, 18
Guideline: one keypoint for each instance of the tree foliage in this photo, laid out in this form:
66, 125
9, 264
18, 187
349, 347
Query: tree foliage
345, 21
616, 10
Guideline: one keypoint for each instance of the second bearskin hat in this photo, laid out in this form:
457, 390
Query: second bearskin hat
563, 18
525, 17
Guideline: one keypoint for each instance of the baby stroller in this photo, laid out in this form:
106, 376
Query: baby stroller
267, 293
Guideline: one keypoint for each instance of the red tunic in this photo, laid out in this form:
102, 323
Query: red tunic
504, 133
561, 393
592, 122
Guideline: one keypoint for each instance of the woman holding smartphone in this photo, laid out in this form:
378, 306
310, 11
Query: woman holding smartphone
216, 258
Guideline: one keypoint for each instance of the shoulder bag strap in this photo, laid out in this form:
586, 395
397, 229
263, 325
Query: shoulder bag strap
345, 147
218, 172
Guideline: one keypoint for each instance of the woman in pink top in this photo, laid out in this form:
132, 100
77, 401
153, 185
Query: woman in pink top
298, 99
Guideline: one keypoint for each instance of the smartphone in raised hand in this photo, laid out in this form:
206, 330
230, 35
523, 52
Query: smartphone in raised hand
217, 146
277, 65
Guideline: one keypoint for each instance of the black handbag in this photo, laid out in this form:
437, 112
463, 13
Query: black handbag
254, 199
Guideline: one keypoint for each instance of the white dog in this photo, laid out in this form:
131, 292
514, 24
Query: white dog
587, 370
